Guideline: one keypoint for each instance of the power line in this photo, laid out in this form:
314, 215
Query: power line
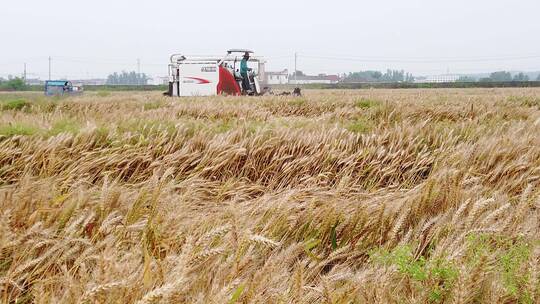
381, 60
152, 67
103, 61
96, 60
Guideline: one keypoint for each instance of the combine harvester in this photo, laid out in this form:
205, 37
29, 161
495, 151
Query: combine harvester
211, 76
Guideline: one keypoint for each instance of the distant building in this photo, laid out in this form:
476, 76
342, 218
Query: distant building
321, 78
90, 82
277, 77
34, 81
438, 78
160, 80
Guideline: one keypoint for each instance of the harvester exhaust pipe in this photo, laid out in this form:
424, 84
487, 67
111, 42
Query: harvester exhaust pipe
180, 58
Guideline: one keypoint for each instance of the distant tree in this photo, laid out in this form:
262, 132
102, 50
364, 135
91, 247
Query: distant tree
125, 78
485, 79
363, 76
394, 76
373, 75
520, 77
501, 76
409, 77
13, 84
298, 73
466, 79
376, 76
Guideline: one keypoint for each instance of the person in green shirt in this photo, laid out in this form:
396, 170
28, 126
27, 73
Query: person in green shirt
244, 69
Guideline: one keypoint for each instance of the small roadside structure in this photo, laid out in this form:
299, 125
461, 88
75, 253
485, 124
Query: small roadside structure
61, 87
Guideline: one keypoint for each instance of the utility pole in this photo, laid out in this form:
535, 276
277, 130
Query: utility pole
24, 74
50, 67
295, 70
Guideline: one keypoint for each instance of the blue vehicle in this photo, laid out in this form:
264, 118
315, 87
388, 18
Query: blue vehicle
61, 87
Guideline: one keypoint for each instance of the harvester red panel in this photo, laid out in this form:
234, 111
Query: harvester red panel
227, 84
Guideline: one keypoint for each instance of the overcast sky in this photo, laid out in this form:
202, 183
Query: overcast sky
93, 38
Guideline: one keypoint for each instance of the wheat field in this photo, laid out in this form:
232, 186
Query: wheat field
367, 196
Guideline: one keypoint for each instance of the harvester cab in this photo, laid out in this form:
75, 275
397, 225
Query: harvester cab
210, 76
235, 56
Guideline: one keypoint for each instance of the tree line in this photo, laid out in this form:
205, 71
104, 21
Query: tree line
127, 78
401, 76
377, 76
371, 76
12, 84
500, 76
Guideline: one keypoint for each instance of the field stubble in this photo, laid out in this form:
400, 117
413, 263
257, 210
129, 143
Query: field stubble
339, 196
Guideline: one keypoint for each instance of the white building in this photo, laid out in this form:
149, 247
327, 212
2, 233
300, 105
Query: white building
438, 78
159, 80
321, 78
277, 77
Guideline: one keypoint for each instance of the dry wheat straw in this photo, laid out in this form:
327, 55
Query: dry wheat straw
211, 199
